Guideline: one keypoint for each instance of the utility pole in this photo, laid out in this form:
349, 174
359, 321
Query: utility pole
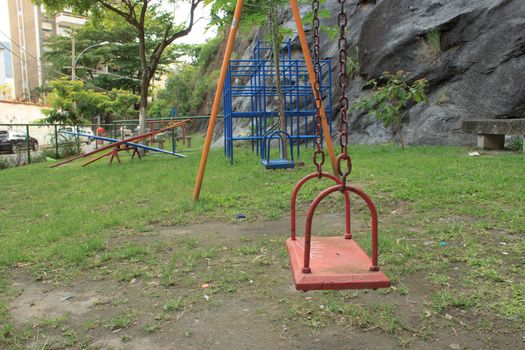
73, 59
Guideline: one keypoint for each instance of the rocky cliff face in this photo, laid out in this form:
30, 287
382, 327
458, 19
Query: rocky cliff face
475, 65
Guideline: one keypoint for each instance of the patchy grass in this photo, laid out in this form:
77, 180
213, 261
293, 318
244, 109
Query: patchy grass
121, 321
451, 235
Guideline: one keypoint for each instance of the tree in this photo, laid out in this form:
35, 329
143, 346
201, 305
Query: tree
155, 29
386, 101
5, 91
72, 103
119, 55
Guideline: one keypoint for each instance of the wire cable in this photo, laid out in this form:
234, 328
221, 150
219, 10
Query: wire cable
43, 65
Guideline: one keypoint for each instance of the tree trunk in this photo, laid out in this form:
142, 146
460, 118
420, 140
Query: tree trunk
143, 105
276, 46
400, 135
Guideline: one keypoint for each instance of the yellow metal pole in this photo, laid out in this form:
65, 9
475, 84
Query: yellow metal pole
311, 74
217, 102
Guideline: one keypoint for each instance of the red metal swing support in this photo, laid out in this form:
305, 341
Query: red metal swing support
293, 202
340, 263
310, 215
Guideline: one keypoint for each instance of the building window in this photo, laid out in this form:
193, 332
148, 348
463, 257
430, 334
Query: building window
47, 27
64, 30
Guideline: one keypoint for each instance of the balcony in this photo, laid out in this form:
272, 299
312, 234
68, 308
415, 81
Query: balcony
66, 19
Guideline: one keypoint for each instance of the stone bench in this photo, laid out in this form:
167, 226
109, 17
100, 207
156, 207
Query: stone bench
491, 132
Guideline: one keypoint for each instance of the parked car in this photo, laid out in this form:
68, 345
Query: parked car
11, 141
81, 129
87, 131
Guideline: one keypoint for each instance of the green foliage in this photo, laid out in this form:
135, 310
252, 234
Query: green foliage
174, 305
352, 64
120, 55
121, 104
433, 39
73, 103
185, 89
155, 32
206, 52
254, 11
386, 101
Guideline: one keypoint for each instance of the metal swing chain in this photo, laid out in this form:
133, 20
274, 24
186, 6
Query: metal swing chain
343, 158
319, 155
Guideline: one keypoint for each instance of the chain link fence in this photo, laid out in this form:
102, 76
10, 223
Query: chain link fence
22, 144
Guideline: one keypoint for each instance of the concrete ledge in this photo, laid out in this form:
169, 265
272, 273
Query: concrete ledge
491, 132
495, 127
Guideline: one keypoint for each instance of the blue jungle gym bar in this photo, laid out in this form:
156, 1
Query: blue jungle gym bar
254, 78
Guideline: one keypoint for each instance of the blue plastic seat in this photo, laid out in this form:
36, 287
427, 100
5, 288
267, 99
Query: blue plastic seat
281, 163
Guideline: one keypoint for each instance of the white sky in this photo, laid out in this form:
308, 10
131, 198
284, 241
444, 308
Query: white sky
197, 35
4, 19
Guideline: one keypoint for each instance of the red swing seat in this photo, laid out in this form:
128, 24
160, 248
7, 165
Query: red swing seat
331, 263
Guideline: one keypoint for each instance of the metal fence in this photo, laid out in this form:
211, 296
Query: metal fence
27, 143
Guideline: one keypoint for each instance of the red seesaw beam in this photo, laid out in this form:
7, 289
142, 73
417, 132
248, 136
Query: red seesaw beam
98, 158
131, 139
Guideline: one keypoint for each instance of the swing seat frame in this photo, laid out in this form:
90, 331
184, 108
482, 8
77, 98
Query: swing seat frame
278, 164
332, 263
337, 263
281, 163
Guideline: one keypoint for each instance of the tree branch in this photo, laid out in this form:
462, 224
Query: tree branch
187, 30
143, 12
166, 41
127, 16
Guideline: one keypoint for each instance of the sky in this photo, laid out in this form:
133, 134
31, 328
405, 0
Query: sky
4, 19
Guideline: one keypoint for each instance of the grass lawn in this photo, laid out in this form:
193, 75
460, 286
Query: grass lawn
451, 237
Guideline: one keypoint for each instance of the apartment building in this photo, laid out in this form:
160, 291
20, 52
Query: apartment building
2, 66
6, 72
30, 26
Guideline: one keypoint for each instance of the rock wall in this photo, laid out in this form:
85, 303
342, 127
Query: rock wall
477, 72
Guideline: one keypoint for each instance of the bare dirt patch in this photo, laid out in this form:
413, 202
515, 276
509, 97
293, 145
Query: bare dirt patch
250, 302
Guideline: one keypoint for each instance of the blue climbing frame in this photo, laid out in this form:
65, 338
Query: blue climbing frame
254, 79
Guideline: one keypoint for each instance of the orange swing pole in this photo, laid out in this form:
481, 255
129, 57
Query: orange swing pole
311, 74
217, 101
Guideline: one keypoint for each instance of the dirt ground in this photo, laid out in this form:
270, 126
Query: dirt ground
99, 312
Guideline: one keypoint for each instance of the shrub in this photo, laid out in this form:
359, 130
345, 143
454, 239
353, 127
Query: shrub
386, 101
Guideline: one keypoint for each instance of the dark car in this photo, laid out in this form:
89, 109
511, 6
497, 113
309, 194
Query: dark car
11, 141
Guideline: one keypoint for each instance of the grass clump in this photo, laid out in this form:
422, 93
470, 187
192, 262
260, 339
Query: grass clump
433, 39
174, 305
121, 321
